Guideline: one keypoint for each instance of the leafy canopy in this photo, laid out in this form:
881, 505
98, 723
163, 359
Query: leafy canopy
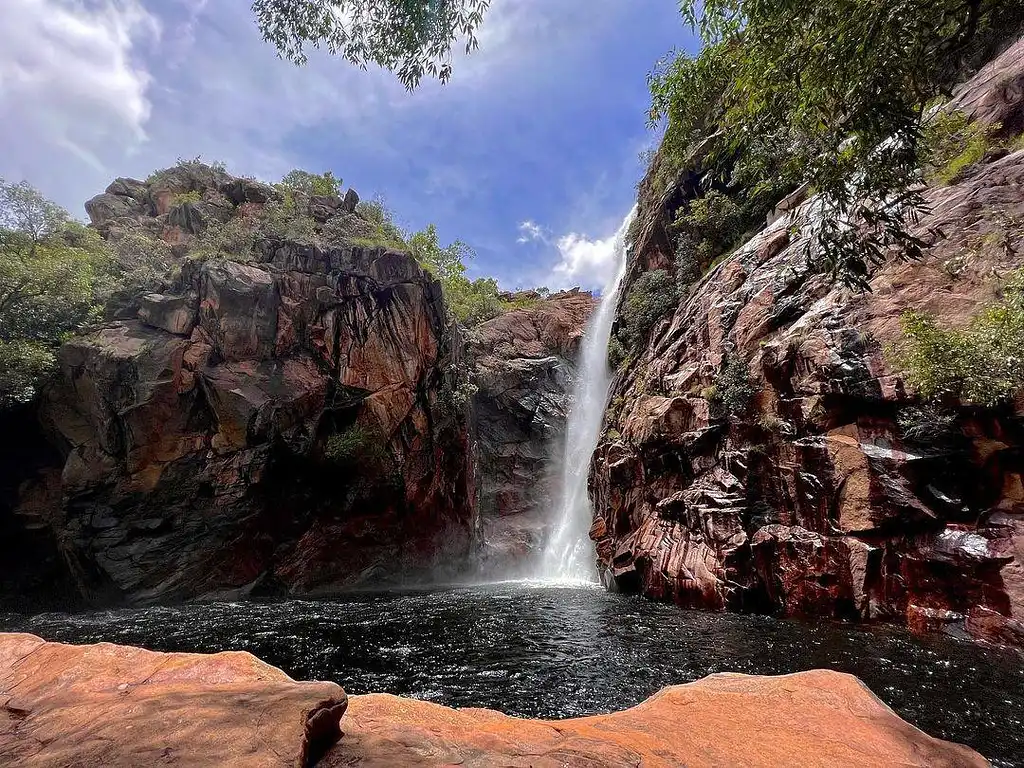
412, 38
981, 364
325, 183
838, 88
49, 268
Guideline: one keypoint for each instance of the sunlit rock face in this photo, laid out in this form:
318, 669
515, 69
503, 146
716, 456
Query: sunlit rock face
819, 501
115, 705
287, 425
525, 364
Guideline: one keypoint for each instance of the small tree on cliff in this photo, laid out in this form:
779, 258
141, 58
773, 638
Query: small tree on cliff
325, 183
49, 267
838, 87
412, 38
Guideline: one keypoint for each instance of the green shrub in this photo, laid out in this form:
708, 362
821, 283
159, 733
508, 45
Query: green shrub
929, 425
183, 198
952, 143
687, 264
50, 268
617, 354
713, 222
981, 364
733, 389
237, 238
386, 232
325, 184
355, 446
651, 297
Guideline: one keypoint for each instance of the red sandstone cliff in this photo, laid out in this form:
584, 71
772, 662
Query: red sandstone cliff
288, 419
818, 502
525, 365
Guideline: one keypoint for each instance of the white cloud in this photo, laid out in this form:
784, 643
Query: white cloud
530, 231
68, 79
584, 262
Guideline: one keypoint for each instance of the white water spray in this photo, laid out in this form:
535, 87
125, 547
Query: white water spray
570, 555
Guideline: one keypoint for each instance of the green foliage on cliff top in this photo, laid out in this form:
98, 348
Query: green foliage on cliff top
981, 364
50, 268
325, 183
184, 198
840, 88
411, 38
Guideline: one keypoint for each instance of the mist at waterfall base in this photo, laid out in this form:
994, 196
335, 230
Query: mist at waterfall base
569, 555
543, 651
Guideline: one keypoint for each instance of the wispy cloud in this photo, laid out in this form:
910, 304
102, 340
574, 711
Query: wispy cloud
530, 231
531, 130
71, 79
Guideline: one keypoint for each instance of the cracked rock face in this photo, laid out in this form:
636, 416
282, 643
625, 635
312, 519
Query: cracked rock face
819, 501
284, 426
525, 363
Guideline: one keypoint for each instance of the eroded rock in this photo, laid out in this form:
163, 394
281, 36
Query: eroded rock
819, 500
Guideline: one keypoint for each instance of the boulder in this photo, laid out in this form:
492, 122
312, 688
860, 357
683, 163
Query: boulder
238, 309
196, 443
119, 706
817, 718
174, 314
107, 207
241, 191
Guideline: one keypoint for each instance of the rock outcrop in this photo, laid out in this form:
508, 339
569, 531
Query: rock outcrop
117, 706
111, 705
287, 420
835, 494
525, 363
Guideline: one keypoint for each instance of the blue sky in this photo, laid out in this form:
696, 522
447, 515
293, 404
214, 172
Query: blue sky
529, 154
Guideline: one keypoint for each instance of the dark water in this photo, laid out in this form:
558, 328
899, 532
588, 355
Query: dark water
558, 652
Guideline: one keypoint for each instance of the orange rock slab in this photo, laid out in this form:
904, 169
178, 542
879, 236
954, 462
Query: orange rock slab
64, 706
817, 718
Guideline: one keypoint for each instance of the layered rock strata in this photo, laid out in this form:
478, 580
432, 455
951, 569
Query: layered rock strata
838, 492
294, 422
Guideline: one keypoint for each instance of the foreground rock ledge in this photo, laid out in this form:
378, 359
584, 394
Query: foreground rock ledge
118, 706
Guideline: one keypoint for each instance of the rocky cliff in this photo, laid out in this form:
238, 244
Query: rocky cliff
835, 493
285, 417
119, 706
525, 368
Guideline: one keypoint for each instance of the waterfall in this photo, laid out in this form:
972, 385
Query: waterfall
570, 555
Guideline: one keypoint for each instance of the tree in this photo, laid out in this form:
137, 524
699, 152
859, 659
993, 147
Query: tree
49, 266
841, 88
411, 38
325, 183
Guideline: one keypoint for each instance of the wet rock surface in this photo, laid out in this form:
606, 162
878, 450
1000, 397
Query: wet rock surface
525, 366
820, 498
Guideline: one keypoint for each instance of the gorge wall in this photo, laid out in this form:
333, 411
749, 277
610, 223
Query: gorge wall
291, 419
525, 365
837, 493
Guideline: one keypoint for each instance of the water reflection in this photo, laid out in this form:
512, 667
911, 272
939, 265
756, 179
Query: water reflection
557, 652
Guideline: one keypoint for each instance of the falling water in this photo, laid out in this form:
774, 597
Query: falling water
569, 555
